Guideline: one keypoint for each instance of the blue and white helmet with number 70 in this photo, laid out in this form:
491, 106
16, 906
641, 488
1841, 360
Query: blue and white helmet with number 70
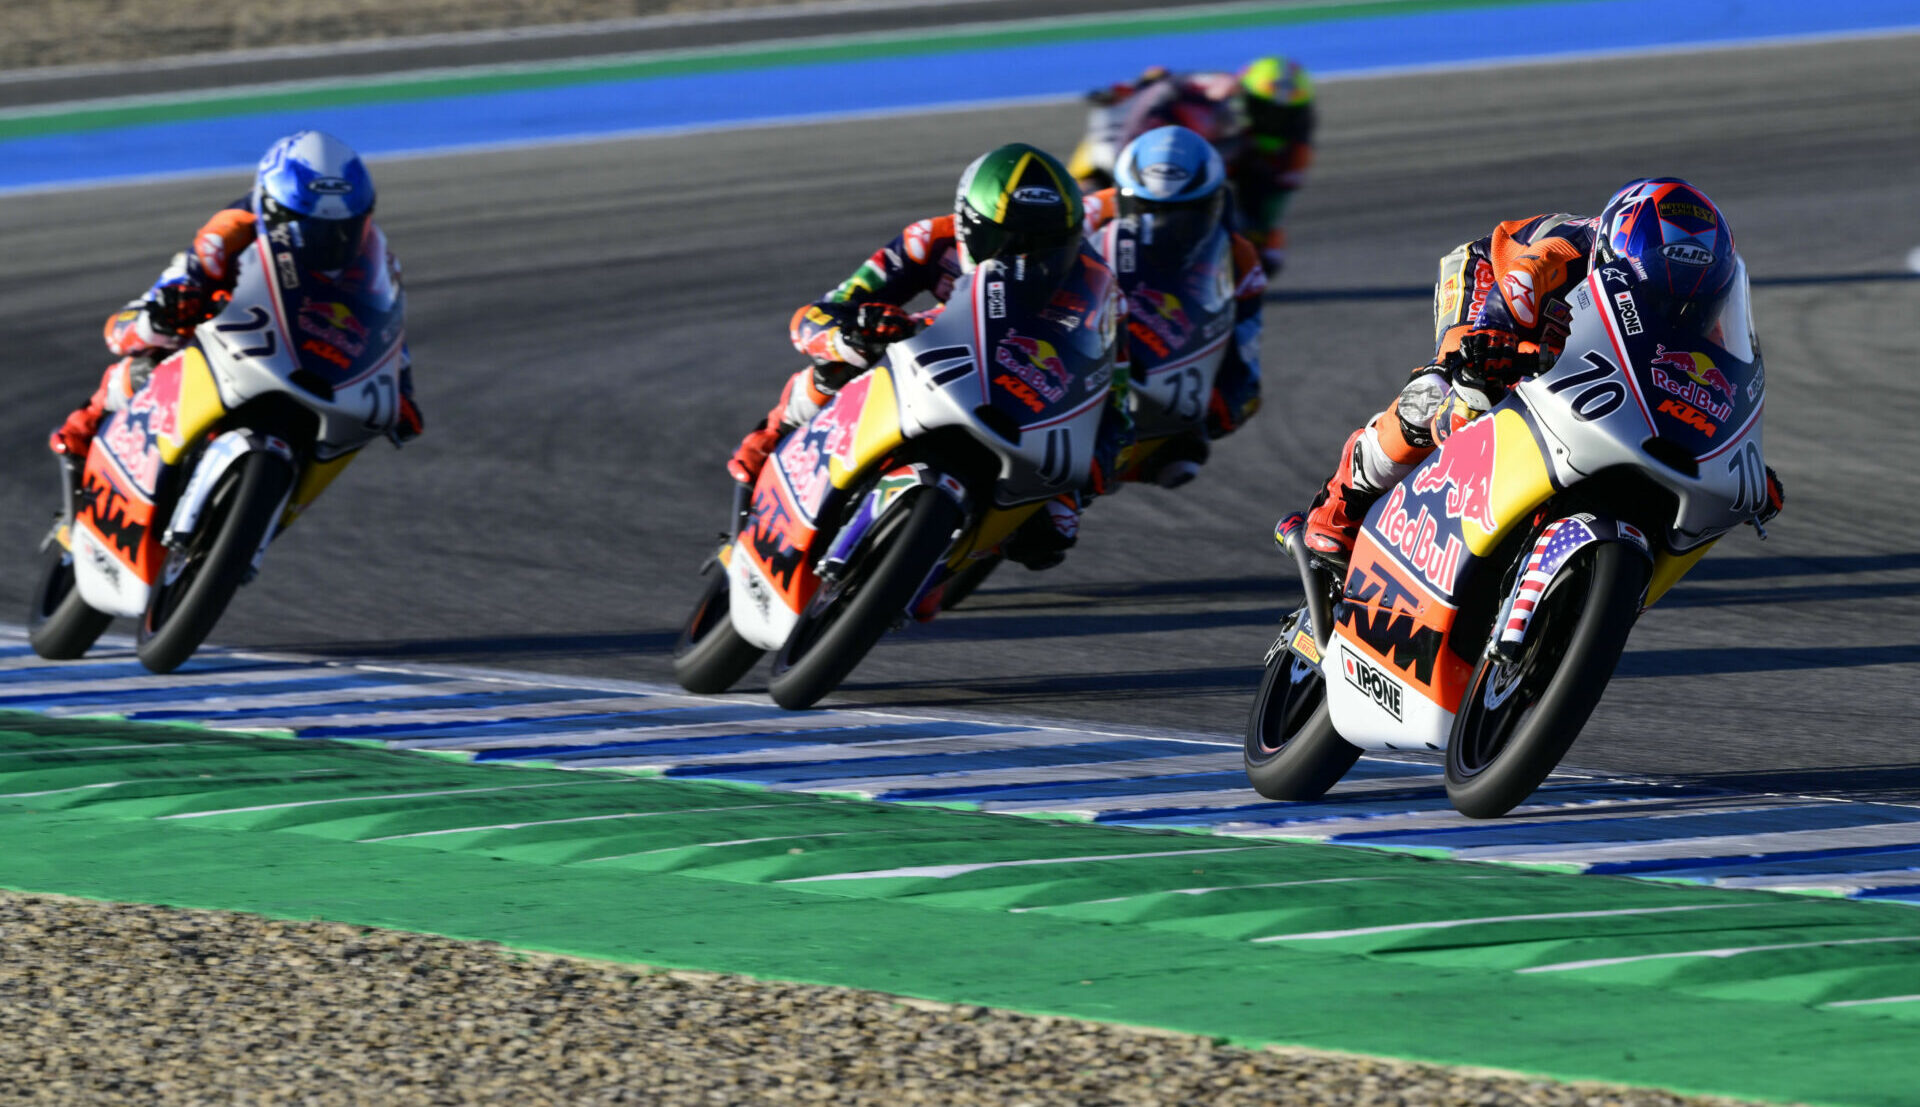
313, 194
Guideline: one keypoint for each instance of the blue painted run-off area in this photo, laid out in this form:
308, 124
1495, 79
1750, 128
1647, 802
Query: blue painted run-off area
1342, 46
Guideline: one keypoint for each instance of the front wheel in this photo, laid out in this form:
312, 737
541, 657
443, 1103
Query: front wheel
845, 618
1520, 717
60, 625
199, 579
1292, 751
711, 656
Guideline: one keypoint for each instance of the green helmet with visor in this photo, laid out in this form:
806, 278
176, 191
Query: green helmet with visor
1018, 204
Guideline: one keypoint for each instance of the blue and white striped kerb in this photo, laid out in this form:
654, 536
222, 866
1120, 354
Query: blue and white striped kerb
1583, 822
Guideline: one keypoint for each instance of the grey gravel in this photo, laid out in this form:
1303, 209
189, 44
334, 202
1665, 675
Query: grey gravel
125, 1003
78, 32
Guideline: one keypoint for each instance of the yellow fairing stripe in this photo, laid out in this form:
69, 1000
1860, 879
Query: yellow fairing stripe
1520, 481
1668, 568
878, 433
995, 526
200, 406
313, 481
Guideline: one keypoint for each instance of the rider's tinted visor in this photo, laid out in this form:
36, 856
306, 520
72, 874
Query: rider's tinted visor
327, 245
1172, 232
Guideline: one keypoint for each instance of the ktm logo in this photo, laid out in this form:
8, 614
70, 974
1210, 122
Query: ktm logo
1689, 415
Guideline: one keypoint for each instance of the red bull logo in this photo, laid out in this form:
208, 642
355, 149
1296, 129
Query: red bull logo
1417, 539
1699, 367
1465, 468
134, 438
335, 323
1035, 361
1159, 319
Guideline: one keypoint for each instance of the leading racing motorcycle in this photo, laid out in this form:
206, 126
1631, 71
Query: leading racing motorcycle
911, 474
1491, 592
226, 442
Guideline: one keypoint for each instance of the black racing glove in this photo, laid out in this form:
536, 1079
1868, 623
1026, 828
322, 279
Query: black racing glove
875, 327
1490, 361
176, 309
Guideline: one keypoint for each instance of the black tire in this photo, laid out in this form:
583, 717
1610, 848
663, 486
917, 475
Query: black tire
197, 583
968, 579
1500, 751
710, 655
846, 618
1292, 751
60, 625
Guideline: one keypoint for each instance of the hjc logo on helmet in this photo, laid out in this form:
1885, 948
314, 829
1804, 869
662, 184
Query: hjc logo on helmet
1164, 172
1687, 253
1035, 194
331, 186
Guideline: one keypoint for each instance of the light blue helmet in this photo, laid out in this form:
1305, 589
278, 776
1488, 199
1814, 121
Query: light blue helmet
313, 192
1172, 184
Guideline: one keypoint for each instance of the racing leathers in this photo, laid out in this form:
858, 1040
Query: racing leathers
1267, 153
188, 292
1236, 383
1499, 312
847, 331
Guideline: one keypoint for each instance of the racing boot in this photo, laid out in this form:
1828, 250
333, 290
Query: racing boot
1044, 539
802, 398
1374, 459
75, 435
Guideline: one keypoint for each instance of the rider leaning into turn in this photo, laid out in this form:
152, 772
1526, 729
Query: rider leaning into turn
309, 186
1166, 207
1015, 203
1500, 311
1261, 119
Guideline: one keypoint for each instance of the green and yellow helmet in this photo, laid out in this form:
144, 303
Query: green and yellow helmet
1279, 99
1018, 202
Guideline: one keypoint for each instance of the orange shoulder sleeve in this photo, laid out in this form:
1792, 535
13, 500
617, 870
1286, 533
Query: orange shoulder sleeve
230, 231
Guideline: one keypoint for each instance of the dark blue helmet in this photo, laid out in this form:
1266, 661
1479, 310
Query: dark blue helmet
314, 190
1675, 240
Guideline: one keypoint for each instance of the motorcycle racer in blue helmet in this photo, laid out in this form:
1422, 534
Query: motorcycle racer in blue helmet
312, 194
1500, 311
1164, 214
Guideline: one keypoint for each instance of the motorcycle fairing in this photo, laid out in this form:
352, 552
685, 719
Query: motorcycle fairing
1178, 327
772, 578
117, 541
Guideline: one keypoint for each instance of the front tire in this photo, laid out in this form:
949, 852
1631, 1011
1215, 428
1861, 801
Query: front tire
197, 583
711, 656
1520, 717
1292, 751
846, 618
60, 625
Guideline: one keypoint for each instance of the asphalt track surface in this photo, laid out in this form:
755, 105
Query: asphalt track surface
595, 324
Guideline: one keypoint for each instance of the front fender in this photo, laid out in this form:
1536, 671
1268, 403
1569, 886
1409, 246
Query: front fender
1551, 554
884, 497
214, 461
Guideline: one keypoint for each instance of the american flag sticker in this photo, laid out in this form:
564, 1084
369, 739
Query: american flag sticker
1556, 544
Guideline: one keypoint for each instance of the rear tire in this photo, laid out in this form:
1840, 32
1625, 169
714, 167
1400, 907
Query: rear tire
1519, 718
1292, 751
846, 618
196, 585
711, 656
60, 625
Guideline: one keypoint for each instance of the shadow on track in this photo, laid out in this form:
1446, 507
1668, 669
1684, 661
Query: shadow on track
470, 650
1159, 685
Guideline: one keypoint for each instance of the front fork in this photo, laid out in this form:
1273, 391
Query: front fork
60, 533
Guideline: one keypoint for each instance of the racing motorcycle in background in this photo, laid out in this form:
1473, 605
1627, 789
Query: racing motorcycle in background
911, 473
226, 442
1180, 319
1491, 592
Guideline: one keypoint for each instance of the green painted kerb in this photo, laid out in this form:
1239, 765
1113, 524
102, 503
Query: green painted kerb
65, 118
1257, 942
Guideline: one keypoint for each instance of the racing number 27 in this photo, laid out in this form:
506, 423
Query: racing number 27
384, 402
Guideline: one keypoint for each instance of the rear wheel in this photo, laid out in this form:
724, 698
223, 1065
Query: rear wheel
1520, 717
1292, 751
60, 625
710, 655
199, 579
845, 618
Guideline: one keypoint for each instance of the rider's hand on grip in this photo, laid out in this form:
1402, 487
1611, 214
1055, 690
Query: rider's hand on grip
176, 309
407, 425
1776, 499
1489, 357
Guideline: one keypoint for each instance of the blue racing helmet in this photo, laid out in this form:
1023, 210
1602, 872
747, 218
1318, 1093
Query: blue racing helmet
313, 194
1173, 182
1675, 240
